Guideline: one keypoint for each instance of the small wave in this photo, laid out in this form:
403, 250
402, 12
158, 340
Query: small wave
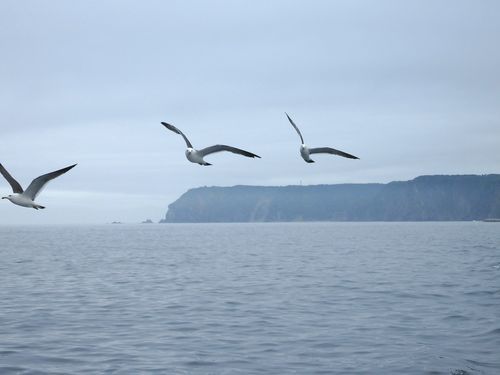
484, 247
7, 352
496, 331
483, 293
12, 369
495, 365
24, 261
456, 317
185, 329
199, 363
459, 372
493, 332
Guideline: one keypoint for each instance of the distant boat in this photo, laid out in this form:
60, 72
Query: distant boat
491, 220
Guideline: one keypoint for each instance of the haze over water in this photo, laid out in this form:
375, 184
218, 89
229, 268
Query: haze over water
315, 298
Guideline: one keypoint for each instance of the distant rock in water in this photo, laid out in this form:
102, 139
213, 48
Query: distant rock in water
148, 221
426, 198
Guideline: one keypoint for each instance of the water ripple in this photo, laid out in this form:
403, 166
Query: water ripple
315, 298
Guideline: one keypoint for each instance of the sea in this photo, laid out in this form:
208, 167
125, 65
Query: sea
267, 298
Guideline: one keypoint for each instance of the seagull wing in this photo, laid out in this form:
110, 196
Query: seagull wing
175, 130
39, 183
329, 150
296, 128
16, 187
219, 148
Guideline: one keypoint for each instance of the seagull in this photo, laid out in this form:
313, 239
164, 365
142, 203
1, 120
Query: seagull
306, 151
196, 156
26, 198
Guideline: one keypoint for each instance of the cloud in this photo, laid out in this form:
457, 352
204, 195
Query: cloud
412, 88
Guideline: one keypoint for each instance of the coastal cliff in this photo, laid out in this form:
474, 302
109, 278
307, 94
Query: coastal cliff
425, 198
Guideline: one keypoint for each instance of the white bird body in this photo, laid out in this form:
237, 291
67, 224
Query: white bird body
26, 198
304, 152
194, 156
22, 200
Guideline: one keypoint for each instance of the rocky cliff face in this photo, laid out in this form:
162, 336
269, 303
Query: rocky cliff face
466, 197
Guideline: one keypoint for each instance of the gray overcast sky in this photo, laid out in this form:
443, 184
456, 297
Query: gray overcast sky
411, 87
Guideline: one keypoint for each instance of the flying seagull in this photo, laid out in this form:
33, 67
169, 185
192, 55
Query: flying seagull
196, 156
306, 151
26, 198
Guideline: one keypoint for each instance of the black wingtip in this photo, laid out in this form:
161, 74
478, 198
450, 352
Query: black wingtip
251, 155
170, 127
70, 167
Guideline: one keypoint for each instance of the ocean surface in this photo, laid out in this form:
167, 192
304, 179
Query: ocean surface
305, 298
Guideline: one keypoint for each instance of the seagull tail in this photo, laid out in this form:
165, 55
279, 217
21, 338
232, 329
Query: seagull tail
39, 207
310, 161
206, 163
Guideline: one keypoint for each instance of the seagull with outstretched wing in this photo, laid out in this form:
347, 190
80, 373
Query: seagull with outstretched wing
196, 156
26, 198
306, 151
